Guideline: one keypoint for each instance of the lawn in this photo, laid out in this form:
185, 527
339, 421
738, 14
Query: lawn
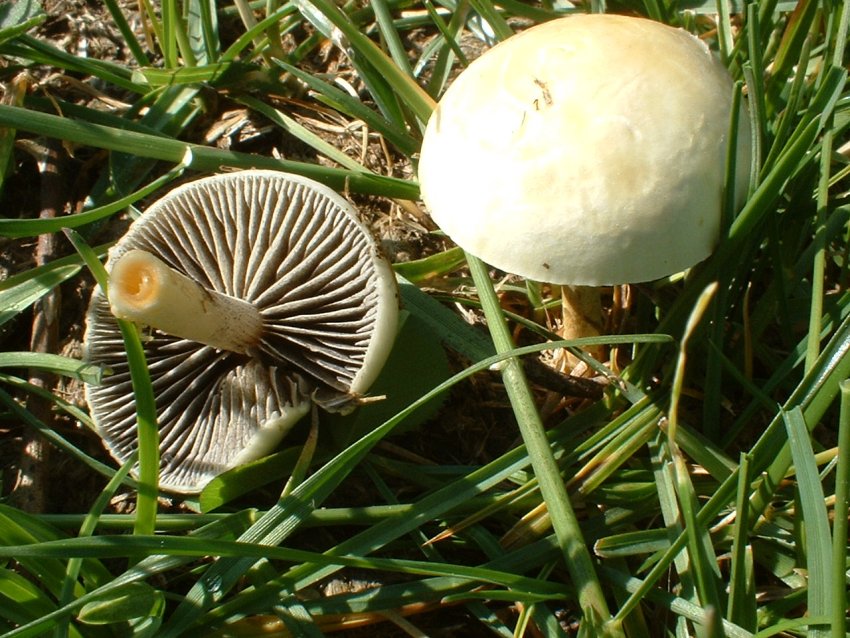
694, 482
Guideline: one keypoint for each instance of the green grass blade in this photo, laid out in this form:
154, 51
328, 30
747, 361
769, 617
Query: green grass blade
450, 50
576, 554
218, 74
26, 417
296, 618
127, 33
34, 227
246, 39
754, 74
704, 452
69, 408
72, 570
742, 607
146, 425
675, 604
19, 292
407, 89
795, 95
488, 11
819, 262
525, 588
391, 37
840, 518
300, 132
665, 486
19, 528
702, 558
530, 557
814, 517
168, 41
646, 541
203, 30
132, 602
168, 113
281, 520
225, 528
795, 624
617, 451
418, 271
814, 394
797, 28
353, 107
696, 315
725, 41
203, 157
30, 48
21, 600
453, 332
57, 364
16, 19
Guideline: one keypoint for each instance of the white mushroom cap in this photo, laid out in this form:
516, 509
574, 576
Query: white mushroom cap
588, 150
284, 245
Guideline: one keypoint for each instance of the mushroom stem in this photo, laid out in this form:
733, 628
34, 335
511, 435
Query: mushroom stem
581, 313
145, 290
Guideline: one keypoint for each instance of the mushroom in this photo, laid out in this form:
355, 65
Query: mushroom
261, 292
586, 151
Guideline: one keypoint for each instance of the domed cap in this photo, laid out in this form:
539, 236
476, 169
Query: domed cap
264, 292
588, 150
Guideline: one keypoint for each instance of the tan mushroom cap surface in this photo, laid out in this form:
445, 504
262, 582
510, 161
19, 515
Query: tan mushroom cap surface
288, 247
588, 150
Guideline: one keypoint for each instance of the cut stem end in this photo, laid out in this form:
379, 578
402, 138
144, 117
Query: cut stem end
145, 290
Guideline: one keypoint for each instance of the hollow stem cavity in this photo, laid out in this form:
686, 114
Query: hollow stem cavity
145, 290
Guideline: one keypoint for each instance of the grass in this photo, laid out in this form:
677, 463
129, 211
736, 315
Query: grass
705, 494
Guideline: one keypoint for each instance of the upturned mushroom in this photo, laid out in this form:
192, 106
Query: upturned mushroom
586, 151
259, 293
